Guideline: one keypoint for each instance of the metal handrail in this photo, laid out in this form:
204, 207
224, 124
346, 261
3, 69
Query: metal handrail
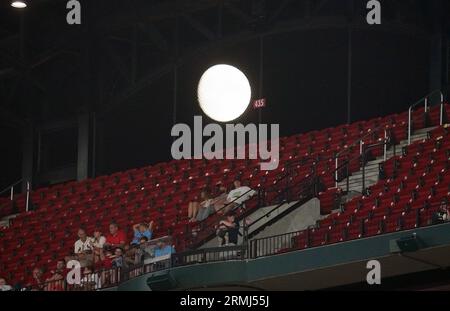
254, 243
425, 99
410, 120
358, 141
284, 191
334, 173
308, 183
11, 186
203, 224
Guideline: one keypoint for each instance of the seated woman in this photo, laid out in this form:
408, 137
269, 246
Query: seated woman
194, 207
193, 210
206, 207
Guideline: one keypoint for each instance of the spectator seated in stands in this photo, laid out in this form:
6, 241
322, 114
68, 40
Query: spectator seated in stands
193, 208
116, 238
4, 287
206, 207
59, 273
142, 230
98, 241
117, 259
90, 280
36, 282
228, 230
443, 214
135, 255
106, 258
238, 195
83, 249
163, 249
56, 281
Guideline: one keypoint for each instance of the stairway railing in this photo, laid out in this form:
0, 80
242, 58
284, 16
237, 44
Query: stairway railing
285, 190
386, 127
425, 101
10, 190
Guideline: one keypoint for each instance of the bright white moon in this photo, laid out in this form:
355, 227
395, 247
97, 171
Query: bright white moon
224, 93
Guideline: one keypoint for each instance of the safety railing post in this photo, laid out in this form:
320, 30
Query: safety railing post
385, 145
441, 114
409, 125
363, 173
12, 193
28, 197
426, 104
336, 172
347, 183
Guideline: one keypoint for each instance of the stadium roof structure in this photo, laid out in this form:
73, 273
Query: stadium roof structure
107, 48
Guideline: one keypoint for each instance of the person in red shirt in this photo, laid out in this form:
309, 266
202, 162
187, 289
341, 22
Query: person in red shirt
116, 238
55, 282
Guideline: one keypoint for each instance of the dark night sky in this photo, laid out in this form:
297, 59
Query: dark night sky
305, 83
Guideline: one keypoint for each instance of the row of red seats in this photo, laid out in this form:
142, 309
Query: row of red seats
161, 193
402, 201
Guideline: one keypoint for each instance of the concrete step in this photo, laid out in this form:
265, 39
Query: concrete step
371, 169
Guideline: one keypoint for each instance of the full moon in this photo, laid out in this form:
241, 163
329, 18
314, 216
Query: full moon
224, 93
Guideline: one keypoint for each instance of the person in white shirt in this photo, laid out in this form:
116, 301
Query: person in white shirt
3, 286
83, 249
97, 244
83, 244
238, 195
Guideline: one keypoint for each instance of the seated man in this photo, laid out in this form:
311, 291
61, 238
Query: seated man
135, 255
442, 215
57, 277
117, 259
238, 195
116, 238
83, 250
3, 286
229, 229
59, 273
163, 249
36, 282
142, 230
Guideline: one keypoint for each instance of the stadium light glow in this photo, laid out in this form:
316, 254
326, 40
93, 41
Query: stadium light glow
18, 4
223, 92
